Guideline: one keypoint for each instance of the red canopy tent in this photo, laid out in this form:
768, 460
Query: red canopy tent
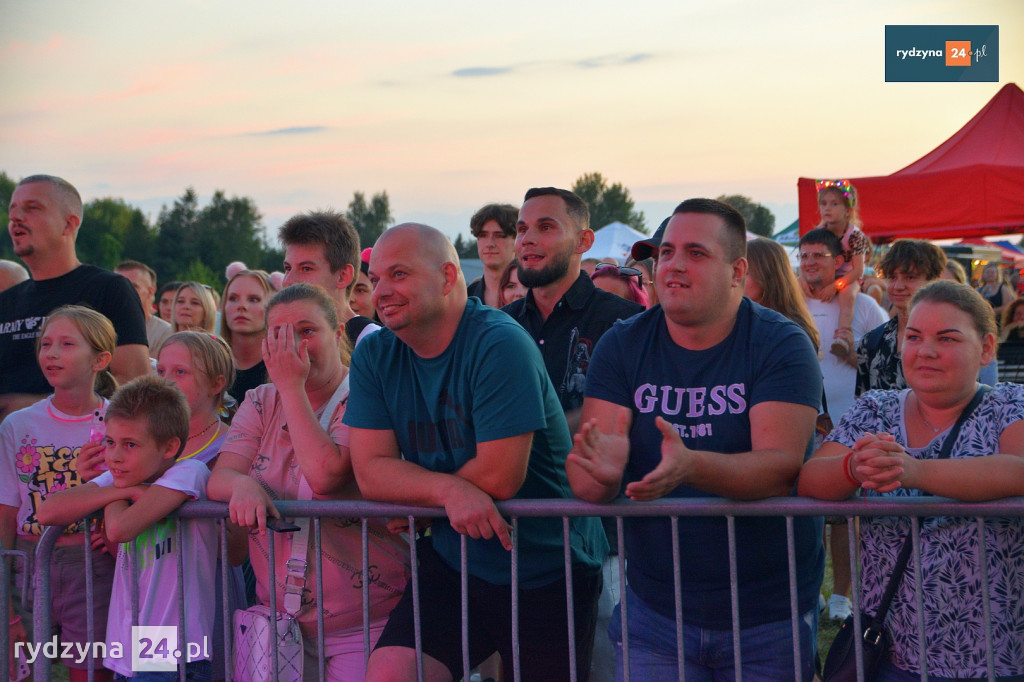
972, 185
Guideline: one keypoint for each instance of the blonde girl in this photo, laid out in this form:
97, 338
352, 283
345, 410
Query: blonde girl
53, 445
243, 324
202, 367
194, 308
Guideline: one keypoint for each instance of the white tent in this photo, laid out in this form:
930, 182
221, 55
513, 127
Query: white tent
614, 240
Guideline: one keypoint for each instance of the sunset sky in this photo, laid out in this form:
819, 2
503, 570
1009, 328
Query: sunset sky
450, 105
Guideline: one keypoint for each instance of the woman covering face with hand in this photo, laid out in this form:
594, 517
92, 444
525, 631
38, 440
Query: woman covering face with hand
275, 437
889, 444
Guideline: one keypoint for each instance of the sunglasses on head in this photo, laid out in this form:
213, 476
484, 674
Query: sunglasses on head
625, 272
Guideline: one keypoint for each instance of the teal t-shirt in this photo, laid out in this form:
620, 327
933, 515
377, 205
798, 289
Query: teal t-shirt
490, 383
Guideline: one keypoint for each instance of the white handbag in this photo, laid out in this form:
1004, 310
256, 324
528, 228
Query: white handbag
254, 627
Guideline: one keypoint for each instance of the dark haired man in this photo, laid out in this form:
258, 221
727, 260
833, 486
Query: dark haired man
821, 255
45, 215
563, 311
322, 248
494, 227
705, 395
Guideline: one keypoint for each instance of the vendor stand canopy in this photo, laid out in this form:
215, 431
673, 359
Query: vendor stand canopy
614, 240
972, 185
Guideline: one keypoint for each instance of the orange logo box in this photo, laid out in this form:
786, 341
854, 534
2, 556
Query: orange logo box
958, 53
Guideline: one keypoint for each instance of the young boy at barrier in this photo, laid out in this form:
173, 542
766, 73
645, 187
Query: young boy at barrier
147, 425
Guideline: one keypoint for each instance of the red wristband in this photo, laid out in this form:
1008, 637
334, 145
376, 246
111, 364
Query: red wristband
17, 619
846, 470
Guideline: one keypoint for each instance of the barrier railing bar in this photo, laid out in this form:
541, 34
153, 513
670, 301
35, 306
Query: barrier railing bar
677, 590
922, 644
271, 565
90, 603
794, 608
517, 674
365, 542
464, 605
623, 608
318, 561
224, 607
679, 506
734, 594
986, 600
417, 633
570, 612
179, 551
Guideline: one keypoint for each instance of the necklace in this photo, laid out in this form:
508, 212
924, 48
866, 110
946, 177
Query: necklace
208, 427
205, 445
917, 404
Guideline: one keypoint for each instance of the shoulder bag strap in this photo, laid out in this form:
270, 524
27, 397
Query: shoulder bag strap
904, 555
295, 578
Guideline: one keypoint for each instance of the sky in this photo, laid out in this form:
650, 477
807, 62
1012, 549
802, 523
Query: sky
448, 105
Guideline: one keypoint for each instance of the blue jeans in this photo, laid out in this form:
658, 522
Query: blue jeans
767, 650
196, 671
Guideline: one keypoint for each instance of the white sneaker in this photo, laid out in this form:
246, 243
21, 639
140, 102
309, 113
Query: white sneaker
821, 603
839, 607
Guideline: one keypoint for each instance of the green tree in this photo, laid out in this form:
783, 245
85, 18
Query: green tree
369, 219
177, 237
608, 203
112, 231
198, 271
7, 185
466, 248
760, 220
229, 229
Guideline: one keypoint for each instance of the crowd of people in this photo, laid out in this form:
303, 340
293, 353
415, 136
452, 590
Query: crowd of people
702, 367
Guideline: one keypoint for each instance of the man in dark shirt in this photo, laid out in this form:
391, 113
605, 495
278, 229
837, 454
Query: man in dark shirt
45, 214
494, 227
564, 312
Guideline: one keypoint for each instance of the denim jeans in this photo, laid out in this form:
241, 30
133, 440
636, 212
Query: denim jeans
196, 671
767, 650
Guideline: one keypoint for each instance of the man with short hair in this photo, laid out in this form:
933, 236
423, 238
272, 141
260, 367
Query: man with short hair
143, 278
494, 227
10, 274
322, 248
706, 395
45, 215
435, 421
563, 311
821, 255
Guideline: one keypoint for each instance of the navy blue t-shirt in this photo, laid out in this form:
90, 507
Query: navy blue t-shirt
707, 395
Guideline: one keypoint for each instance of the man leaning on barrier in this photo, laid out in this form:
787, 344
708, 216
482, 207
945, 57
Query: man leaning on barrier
706, 395
452, 407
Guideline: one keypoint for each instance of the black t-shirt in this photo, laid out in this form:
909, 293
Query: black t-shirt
567, 338
24, 308
246, 379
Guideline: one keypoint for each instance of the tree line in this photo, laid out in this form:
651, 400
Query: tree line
188, 241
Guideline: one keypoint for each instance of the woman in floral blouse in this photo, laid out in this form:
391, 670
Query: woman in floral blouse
889, 445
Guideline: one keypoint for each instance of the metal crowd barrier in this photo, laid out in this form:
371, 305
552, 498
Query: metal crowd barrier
674, 508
